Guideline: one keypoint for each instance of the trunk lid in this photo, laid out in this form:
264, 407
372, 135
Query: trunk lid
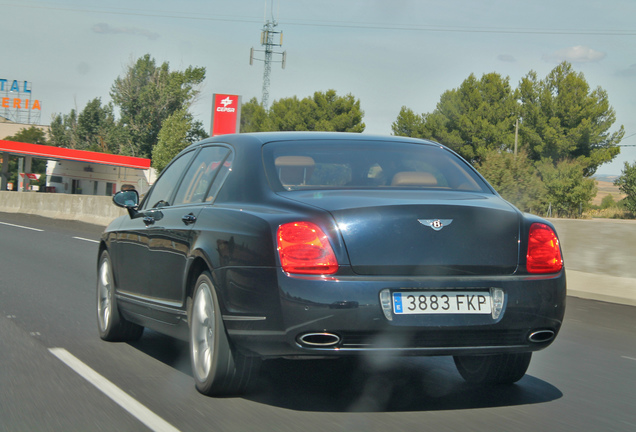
423, 232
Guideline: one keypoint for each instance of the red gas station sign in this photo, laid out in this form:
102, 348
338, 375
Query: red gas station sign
31, 176
226, 114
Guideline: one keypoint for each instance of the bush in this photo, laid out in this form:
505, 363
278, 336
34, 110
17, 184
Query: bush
608, 202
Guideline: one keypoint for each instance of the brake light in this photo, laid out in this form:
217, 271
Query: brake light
304, 248
544, 253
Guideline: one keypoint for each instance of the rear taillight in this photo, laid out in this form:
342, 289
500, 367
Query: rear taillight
304, 248
544, 253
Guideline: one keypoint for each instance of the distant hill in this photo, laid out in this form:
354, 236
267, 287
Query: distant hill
606, 177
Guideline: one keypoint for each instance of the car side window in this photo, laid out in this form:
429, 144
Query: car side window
202, 172
162, 191
224, 171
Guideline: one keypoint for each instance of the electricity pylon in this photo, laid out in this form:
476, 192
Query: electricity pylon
267, 41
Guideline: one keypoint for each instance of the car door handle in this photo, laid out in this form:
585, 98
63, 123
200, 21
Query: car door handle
189, 219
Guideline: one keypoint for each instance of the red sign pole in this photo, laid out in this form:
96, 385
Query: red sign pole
226, 114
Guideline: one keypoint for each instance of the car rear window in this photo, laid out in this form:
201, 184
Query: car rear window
341, 164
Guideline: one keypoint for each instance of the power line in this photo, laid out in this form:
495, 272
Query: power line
333, 24
450, 29
627, 145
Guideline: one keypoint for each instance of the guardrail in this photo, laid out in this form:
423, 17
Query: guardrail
98, 210
599, 254
600, 258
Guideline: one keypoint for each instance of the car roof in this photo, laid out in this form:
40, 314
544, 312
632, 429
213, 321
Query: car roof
261, 138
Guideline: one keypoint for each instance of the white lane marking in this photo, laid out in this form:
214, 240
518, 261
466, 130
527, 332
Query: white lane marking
20, 226
143, 414
629, 358
85, 239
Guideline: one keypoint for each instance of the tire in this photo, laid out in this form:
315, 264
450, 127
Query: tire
112, 326
493, 369
217, 368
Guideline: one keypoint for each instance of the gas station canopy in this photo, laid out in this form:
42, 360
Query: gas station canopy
58, 153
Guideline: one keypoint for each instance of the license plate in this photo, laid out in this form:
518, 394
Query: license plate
442, 302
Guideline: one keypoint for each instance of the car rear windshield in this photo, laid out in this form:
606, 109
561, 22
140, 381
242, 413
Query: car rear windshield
341, 164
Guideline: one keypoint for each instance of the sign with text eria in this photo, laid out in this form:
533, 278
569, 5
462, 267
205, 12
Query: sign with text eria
17, 96
226, 114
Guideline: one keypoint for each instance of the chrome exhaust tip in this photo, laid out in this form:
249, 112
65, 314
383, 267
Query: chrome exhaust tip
321, 340
540, 336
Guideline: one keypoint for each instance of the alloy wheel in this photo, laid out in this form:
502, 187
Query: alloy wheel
105, 286
203, 329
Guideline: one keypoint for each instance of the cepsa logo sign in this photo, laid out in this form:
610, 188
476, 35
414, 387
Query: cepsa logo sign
225, 108
21, 97
226, 114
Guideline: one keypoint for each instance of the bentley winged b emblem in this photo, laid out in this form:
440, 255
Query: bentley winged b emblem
436, 224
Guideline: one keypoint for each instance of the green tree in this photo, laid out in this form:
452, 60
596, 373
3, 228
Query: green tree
322, 112
196, 132
32, 135
254, 117
64, 130
515, 178
289, 114
336, 113
410, 124
147, 95
94, 129
473, 119
568, 191
627, 184
562, 118
173, 138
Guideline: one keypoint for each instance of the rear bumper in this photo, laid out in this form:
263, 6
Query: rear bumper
346, 314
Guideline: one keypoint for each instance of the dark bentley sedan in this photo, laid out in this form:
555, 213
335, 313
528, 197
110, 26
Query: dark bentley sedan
301, 245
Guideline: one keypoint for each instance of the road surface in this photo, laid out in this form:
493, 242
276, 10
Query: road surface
57, 375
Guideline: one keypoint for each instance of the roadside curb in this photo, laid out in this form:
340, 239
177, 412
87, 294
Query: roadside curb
601, 287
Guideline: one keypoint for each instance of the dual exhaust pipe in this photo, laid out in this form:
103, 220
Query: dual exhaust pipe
540, 336
326, 340
319, 340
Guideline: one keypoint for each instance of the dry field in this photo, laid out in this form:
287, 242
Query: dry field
605, 188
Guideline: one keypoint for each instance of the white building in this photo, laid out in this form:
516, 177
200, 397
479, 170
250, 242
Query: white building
76, 171
83, 178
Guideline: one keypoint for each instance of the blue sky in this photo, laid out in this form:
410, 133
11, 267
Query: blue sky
388, 54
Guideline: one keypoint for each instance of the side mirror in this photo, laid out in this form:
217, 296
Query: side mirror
127, 199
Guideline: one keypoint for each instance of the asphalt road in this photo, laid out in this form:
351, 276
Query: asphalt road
586, 381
